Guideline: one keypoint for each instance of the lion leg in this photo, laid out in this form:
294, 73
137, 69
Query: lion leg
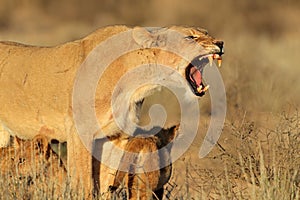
79, 166
159, 193
4, 137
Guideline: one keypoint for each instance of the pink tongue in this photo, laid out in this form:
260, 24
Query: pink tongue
196, 76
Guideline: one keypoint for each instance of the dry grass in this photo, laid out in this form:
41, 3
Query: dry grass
258, 152
260, 164
30, 170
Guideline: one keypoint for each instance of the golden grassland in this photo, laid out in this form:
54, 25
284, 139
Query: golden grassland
258, 154
249, 162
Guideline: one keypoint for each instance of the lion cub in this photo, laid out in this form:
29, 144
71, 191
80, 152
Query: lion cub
31, 164
145, 178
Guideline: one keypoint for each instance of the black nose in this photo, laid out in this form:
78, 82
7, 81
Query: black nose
220, 44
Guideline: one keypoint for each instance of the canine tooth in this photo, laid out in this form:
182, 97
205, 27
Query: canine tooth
219, 62
206, 88
199, 89
210, 58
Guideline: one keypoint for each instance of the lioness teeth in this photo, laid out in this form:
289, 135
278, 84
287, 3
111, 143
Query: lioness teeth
199, 89
219, 61
211, 59
205, 88
215, 56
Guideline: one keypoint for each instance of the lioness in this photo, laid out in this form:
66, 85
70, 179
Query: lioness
36, 85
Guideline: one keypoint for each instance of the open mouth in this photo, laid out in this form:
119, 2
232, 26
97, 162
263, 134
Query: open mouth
194, 72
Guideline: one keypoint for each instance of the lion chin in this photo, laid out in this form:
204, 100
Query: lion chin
36, 85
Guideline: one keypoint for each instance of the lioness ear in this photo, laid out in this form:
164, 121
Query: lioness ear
142, 37
168, 135
147, 38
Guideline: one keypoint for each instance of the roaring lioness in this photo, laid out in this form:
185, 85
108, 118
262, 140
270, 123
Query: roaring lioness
36, 85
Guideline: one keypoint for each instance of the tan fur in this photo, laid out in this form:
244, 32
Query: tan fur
36, 86
150, 183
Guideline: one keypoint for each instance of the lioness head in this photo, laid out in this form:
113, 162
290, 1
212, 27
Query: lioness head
203, 48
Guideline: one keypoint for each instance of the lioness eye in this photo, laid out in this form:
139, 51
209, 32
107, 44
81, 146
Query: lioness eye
191, 37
